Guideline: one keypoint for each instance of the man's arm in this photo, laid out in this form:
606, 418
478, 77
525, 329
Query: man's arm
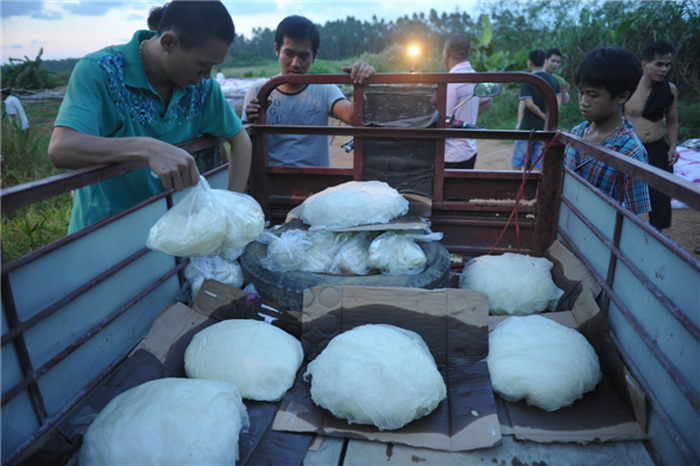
530, 105
359, 71
672, 126
72, 149
239, 161
484, 104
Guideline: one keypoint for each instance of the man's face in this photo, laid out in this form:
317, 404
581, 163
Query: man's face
295, 56
596, 103
187, 67
658, 68
552, 63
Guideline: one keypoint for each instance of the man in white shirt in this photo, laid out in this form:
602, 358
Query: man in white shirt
14, 110
461, 105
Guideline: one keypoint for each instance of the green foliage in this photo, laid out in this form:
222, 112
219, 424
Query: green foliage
689, 116
26, 74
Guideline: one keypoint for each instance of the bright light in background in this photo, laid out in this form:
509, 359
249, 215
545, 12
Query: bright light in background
413, 51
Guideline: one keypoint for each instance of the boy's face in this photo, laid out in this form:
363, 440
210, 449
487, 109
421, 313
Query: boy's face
597, 104
658, 68
295, 56
551, 65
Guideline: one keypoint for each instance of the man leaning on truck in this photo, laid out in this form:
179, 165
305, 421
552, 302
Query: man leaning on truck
132, 102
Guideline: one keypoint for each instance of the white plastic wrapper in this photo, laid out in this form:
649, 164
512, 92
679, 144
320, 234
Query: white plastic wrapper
351, 204
514, 283
207, 222
168, 421
352, 257
376, 374
215, 268
541, 361
259, 358
397, 253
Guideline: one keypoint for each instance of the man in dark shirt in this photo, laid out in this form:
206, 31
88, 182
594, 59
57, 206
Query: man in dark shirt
534, 115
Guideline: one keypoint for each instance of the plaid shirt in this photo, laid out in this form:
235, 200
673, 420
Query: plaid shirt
604, 176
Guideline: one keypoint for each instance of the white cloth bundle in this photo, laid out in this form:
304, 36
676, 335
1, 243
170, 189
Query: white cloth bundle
376, 374
514, 283
351, 204
259, 358
539, 360
168, 421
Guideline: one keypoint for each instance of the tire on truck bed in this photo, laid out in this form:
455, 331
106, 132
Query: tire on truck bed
287, 288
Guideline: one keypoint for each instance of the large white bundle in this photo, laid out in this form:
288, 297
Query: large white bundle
395, 253
207, 222
514, 283
168, 421
259, 358
376, 374
350, 204
539, 360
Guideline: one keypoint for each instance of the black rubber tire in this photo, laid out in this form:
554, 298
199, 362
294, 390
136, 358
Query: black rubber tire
287, 288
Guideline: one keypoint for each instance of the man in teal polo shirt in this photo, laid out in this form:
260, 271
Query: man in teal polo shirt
132, 102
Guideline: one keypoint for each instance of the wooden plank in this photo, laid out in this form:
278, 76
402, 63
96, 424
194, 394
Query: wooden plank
361, 452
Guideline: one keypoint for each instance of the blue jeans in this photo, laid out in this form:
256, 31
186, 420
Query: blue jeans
520, 150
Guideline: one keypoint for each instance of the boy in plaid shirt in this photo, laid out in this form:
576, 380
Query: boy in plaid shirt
606, 79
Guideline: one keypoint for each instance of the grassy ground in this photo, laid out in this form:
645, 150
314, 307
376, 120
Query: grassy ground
24, 159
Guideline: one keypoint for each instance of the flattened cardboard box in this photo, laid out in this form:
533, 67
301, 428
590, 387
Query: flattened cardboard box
454, 325
614, 410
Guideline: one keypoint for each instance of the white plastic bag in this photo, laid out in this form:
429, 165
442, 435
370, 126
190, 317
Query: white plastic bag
215, 268
396, 253
352, 257
207, 222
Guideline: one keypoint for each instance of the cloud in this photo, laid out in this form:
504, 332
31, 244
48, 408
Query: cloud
33, 9
92, 8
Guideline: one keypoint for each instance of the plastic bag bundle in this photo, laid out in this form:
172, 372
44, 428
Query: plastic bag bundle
397, 253
352, 257
207, 222
285, 252
215, 268
351, 204
514, 283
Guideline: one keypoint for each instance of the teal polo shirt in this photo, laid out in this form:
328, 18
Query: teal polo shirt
109, 95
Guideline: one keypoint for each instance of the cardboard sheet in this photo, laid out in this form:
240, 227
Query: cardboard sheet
612, 411
453, 323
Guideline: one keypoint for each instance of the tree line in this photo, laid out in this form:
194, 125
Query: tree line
502, 34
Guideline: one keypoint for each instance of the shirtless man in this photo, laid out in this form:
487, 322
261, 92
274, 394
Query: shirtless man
654, 102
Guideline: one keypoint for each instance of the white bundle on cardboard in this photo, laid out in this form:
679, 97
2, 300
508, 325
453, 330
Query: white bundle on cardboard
514, 283
351, 204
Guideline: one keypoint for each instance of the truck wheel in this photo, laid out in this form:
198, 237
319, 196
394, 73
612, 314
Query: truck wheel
287, 288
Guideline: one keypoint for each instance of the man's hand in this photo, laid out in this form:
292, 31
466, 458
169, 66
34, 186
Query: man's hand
359, 71
673, 156
175, 167
252, 110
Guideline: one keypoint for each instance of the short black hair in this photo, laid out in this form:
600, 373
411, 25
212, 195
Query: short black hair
154, 16
615, 69
196, 22
550, 52
657, 48
459, 46
298, 28
536, 57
